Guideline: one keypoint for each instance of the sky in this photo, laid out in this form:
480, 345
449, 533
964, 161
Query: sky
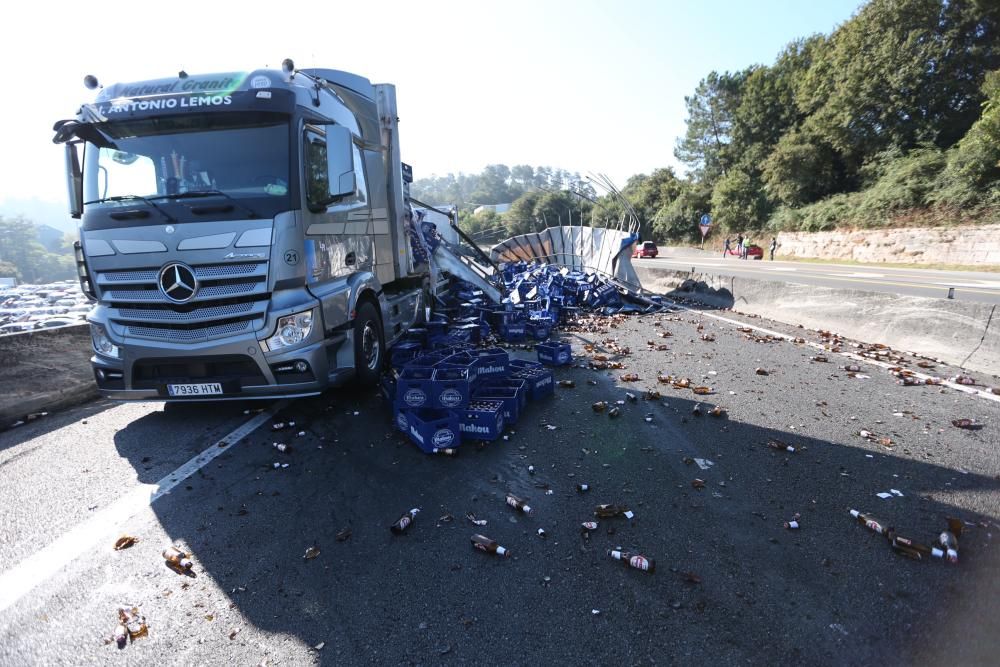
588, 86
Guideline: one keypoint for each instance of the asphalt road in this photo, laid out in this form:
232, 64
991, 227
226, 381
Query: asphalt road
731, 585
968, 285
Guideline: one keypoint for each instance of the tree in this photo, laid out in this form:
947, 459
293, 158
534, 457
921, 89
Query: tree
19, 247
800, 170
901, 73
738, 202
709, 124
678, 221
972, 173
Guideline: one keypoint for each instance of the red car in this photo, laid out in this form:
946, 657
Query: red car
755, 252
646, 249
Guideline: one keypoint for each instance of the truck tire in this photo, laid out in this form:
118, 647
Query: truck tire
369, 344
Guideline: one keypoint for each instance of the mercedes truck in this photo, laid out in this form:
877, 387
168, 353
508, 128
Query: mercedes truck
246, 234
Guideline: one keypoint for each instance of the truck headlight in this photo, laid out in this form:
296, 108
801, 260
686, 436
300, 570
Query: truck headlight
103, 344
291, 330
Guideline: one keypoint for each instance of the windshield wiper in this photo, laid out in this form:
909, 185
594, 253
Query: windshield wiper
147, 200
210, 193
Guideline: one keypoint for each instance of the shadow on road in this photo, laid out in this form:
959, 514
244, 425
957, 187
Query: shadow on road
731, 583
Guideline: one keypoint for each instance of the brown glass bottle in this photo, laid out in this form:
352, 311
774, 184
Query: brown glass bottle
404, 521
637, 561
177, 558
488, 545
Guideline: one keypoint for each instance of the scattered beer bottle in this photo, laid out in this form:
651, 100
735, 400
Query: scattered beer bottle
484, 543
608, 511
568, 384
898, 542
519, 504
870, 522
852, 368
696, 410
588, 526
614, 412
177, 558
600, 406
778, 444
404, 521
447, 451
949, 543
637, 561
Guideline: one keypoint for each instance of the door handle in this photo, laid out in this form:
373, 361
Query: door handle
351, 259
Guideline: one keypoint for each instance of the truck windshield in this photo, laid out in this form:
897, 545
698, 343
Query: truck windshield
236, 155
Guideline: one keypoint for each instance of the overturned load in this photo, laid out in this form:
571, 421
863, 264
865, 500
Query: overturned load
600, 250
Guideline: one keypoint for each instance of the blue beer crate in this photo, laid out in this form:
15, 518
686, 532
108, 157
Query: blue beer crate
415, 386
452, 387
431, 430
513, 332
539, 329
469, 332
555, 353
513, 397
405, 351
540, 383
428, 359
482, 420
520, 364
401, 416
493, 362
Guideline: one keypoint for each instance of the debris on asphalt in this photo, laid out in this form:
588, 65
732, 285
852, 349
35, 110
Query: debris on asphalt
344, 534
964, 379
696, 410
472, 517
698, 483
793, 523
609, 511
133, 622
234, 632
761, 371
717, 411
636, 561
541, 533
614, 412
404, 522
945, 547
778, 444
964, 423
588, 526
488, 545
125, 541
311, 553
177, 560
282, 447
518, 504
704, 464
582, 487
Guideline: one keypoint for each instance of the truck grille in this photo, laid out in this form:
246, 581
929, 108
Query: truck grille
153, 373
231, 300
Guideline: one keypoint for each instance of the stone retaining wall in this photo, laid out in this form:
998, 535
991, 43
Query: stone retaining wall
968, 245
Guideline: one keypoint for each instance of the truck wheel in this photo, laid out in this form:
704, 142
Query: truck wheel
369, 344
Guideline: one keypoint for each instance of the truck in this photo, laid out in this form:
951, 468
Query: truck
247, 234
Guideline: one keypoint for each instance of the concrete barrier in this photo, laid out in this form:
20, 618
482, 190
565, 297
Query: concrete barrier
45, 370
957, 332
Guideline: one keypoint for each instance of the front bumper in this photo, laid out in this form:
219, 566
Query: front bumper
239, 365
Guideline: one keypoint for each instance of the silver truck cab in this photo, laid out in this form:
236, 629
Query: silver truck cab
243, 234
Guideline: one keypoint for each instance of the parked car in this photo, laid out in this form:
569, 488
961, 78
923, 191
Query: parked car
646, 249
755, 252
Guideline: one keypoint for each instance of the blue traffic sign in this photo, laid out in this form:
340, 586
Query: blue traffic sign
706, 220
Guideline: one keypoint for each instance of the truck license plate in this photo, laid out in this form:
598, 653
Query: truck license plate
204, 389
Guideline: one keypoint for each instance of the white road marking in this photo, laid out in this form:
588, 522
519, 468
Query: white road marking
861, 274
981, 393
782, 268
42, 565
978, 283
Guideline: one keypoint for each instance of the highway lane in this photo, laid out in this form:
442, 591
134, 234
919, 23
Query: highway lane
969, 285
732, 585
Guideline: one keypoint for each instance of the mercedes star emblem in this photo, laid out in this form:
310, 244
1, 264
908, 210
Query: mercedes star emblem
178, 283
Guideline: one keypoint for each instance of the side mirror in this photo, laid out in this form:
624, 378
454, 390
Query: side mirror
74, 178
340, 161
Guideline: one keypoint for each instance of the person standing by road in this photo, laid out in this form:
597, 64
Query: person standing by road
739, 246
746, 247
726, 250
774, 246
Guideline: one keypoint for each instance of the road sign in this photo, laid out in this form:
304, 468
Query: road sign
705, 224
